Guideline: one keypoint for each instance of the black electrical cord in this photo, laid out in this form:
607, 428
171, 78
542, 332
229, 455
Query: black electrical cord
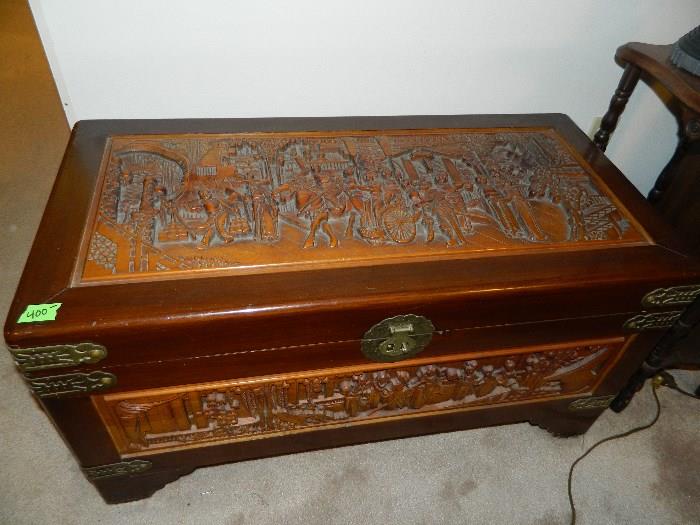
662, 378
670, 382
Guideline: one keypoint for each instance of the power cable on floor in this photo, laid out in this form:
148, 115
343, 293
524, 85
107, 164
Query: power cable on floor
670, 382
663, 378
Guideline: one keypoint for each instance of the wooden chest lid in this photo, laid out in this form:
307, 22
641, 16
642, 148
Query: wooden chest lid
318, 226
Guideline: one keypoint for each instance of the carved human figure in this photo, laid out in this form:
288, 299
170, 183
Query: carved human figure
476, 207
334, 200
230, 217
420, 195
513, 209
426, 386
365, 201
435, 205
537, 367
310, 203
211, 207
470, 368
456, 377
509, 376
451, 210
389, 389
165, 206
162, 197
127, 203
503, 182
445, 385
250, 409
487, 382
265, 212
351, 402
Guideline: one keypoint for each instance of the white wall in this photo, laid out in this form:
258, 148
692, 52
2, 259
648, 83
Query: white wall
221, 58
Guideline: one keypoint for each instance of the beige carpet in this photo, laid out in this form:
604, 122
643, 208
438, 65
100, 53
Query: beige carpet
514, 474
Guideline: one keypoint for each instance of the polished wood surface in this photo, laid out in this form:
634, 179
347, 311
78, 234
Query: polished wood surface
250, 408
654, 60
677, 188
156, 320
80, 423
618, 102
215, 330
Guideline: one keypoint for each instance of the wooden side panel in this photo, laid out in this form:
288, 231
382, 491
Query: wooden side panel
155, 420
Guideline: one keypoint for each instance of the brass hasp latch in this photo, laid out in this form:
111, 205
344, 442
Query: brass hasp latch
397, 338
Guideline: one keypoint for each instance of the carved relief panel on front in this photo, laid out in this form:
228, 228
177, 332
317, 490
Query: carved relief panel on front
251, 408
226, 201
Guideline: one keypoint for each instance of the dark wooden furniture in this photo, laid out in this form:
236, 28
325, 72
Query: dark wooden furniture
676, 193
233, 289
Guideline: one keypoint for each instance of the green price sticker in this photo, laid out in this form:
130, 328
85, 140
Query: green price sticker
35, 313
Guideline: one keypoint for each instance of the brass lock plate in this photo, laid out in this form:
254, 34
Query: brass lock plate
397, 338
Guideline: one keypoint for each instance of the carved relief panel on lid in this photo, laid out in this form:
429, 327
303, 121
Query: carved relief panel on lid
265, 200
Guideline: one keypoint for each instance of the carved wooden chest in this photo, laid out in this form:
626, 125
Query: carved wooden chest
208, 291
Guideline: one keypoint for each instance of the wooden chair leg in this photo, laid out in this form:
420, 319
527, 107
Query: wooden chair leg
661, 355
608, 123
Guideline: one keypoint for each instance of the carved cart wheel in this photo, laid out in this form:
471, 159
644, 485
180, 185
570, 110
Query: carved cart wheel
400, 225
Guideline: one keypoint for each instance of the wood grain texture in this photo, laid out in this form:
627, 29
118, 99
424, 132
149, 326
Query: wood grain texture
527, 291
250, 408
79, 421
624, 90
551, 414
676, 189
654, 61
188, 204
159, 320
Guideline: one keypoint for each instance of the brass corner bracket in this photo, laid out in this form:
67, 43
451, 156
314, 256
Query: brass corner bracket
591, 403
57, 356
124, 468
68, 384
673, 296
651, 321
